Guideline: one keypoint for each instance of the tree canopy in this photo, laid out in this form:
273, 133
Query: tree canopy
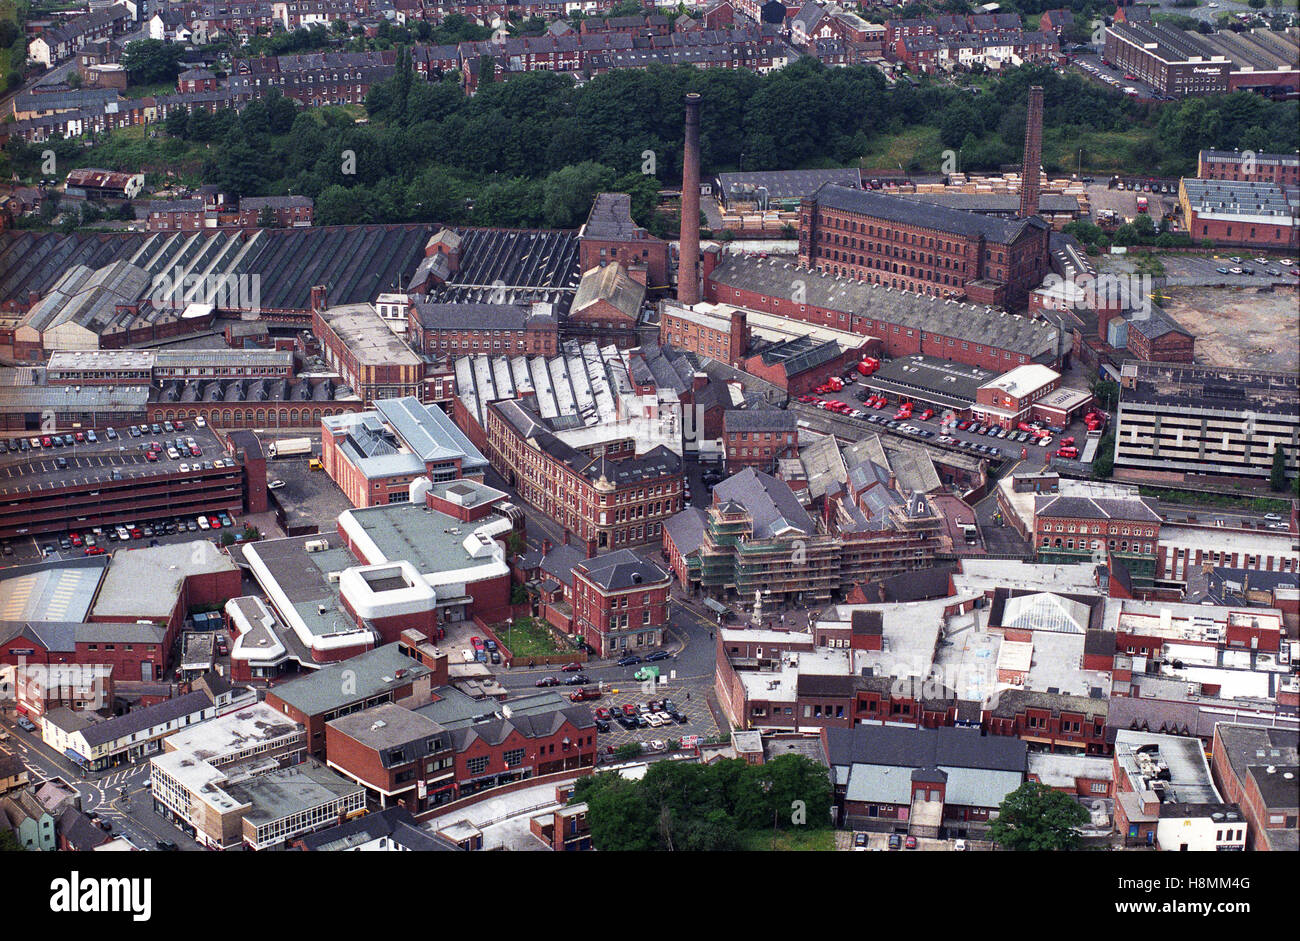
685, 806
1036, 817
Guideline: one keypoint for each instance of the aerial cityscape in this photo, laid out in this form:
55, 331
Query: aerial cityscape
601, 425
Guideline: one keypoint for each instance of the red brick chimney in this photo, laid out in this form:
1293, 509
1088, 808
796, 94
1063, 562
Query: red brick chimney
688, 268
1033, 159
566, 537
546, 546
318, 297
739, 341
591, 548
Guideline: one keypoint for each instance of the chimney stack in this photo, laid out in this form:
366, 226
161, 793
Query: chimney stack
319, 298
1033, 159
688, 268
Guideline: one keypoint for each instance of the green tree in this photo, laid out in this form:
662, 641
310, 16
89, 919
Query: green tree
1277, 476
1106, 391
620, 820
151, 60
9, 843
567, 194
1103, 465
1036, 817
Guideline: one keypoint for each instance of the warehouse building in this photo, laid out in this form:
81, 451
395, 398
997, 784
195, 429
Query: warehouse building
1249, 214
906, 323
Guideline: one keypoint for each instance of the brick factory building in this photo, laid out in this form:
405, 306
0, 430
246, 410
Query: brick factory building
910, 245
464, 329
1182, 62
759, 438
1256, 768
374, 456
609, 497
905, 323
724, 338
369, 357
1249, 167
1250, 214
607, 307
611, 235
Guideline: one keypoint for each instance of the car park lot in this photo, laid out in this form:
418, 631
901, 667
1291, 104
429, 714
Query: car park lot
699, 718
1240, 269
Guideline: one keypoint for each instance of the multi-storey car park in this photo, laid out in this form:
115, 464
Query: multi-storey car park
1186, 421
111, 482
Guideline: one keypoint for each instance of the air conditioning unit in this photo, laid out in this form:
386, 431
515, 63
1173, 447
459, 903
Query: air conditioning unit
333, 578
316, 545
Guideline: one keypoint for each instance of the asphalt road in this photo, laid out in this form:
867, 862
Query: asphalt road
117, 795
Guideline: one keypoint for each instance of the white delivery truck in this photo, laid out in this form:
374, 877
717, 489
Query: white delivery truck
290, 447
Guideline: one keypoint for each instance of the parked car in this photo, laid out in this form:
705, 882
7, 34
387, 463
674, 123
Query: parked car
895, 841
911, 842
629, 661
548, 681
571, 668
657, 655
577, 679
859, 841
167, 845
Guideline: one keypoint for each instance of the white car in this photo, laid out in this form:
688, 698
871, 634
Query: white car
665, 718
203, 522
173, 454
1044, 441
1261, 261
656, 745
184, 467
200, 422
1286, 261
275, 485
652, 719
468, 655
959, 846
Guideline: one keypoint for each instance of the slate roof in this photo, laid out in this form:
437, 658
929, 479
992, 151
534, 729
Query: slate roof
760, 419
613, 285
785, 184
1035, 339
686, 529
616, 571
924, 748
435, 315
140, 720
770, 503
395, 823
926, 215
611, 220
1057, 506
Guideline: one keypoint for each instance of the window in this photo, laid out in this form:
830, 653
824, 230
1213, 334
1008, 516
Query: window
514, 756
477, 765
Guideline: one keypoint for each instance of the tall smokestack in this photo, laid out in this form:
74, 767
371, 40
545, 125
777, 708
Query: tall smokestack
1033, 160
688, 270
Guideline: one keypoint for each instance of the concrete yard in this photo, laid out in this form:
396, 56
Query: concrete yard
1240, 328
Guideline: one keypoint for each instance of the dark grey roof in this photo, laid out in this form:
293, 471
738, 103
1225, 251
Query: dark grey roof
785, 184
395, 823
1012, 701
760, 419
686, 529
916, 585
770, 502
434, 315
79, 831
926, 215
616, 571
560, 561
1035, 339
611, 219
101, 733
1057, 506
999, 203
899, 747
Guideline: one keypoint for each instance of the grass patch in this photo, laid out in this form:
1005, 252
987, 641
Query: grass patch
1104, 152
799, 840
529, 638
150, 91
916, 145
